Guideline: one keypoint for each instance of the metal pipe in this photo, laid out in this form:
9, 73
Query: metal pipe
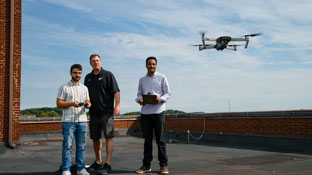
11, 83
188, 136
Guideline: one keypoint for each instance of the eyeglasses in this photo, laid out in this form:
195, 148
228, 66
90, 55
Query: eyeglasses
77, 73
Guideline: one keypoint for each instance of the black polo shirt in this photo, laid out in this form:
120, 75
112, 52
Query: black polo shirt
102, 88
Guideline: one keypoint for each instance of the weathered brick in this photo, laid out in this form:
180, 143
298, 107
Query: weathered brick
4, 67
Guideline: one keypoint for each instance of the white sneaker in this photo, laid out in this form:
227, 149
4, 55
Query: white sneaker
66, 173
83, 172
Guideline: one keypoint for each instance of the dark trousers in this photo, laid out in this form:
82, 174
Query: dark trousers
150, 123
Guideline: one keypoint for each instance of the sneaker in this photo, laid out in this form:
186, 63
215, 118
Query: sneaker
66, 173
83, 172
107, 167
95, 166
143, 170
164, 170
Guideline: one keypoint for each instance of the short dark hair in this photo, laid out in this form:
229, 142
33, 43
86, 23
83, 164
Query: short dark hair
94, 55
78, 66
150, 58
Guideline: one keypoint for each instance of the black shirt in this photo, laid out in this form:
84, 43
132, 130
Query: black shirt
102, 88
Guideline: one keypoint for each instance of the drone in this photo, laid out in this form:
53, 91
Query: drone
222, 42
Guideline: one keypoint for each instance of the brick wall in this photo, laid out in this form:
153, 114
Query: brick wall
291, 127
41, 127
295, 123
47, 125
4, 68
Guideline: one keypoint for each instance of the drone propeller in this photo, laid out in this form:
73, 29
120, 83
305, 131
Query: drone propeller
235, 45
252, 35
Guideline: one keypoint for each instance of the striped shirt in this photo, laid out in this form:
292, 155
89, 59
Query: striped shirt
72, 92
157, 84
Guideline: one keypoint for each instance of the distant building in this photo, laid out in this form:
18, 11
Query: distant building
10, 70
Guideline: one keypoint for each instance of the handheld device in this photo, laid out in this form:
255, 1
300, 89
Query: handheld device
83, 104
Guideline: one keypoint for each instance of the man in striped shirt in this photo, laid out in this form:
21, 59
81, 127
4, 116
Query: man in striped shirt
73, 98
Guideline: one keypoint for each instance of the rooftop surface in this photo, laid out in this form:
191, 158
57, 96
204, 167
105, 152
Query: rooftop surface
42, 156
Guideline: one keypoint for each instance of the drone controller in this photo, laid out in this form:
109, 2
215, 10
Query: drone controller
83, 104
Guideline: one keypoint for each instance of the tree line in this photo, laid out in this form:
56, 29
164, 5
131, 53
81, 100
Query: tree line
169, 111
57, 112
43, 112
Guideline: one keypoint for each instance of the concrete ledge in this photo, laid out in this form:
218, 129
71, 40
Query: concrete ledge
33, 119
303, 113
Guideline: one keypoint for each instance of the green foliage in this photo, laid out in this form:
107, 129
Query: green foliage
43, 112
169, 111
132, 113
53, 114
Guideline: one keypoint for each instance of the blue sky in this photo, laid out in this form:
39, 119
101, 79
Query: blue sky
274, 73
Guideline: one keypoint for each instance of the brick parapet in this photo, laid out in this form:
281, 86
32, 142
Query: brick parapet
295, 123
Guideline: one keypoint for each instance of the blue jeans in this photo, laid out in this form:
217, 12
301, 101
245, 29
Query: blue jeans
69, 131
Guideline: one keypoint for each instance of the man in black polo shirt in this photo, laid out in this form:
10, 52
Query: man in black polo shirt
103, 90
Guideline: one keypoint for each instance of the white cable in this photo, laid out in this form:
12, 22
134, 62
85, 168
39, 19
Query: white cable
202, 134
195, 138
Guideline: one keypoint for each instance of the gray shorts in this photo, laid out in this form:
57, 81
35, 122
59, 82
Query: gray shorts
102, 124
